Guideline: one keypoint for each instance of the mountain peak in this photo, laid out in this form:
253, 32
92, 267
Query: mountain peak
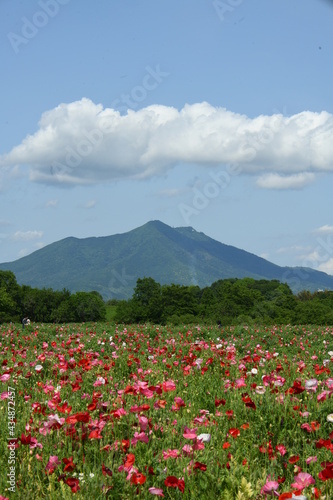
111, 265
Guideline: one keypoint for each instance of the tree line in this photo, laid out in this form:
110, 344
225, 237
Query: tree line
229, 301
47, 305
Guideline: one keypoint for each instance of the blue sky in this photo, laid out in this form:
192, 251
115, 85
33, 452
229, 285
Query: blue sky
210, 114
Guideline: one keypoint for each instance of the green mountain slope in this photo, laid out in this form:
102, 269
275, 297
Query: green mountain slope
112, 264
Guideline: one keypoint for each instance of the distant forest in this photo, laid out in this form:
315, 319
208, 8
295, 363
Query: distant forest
225, 302
229, 301
47, 305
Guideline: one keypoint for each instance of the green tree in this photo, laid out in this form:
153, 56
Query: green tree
146, 301
9, 297
87, 306
180, 301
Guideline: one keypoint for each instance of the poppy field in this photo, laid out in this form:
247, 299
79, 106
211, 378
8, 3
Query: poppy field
105, 411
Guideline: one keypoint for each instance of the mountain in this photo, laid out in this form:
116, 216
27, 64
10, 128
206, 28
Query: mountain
112, 264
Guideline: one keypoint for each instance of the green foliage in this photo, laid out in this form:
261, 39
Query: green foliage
230, 301
9, 297
87, 306
47, 305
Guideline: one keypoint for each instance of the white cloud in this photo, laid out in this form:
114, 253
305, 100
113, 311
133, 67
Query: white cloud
313, 257
327, 267
276, 181
90, 204
23, 252
326, 229
82, 143
39, 245
294, 249
171, 192
51, 203
26, 235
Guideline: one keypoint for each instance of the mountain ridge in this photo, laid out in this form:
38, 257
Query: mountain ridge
112, 264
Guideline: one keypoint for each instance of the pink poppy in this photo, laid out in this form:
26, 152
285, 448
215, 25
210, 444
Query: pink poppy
239, 382
139, 437
302, 480
53, 463
171, 454
143, 422
156, 491
168, 386
311, 385
281, 449
187, 449
270, 488
190, 433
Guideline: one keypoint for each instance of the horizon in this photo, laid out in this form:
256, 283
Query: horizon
299, 277
229, 132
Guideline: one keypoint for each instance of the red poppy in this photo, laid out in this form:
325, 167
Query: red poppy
219, 402
83, 362
64, 408
138, 409
249, 403
199, 465
71, 431
297, 387
95, 434
138, 478
75, 387
315, 425
106, 471
234, 432
171, 482
327, 472
130, 459
72, 483
181, 485
82, 416
25, 439
130, 390
125, 444
293, 459
323, 443
69, 465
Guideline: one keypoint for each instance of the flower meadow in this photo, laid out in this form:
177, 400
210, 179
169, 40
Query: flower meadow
106, 411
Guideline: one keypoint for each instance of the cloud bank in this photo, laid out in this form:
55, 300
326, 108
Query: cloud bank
83, 143
27, 235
